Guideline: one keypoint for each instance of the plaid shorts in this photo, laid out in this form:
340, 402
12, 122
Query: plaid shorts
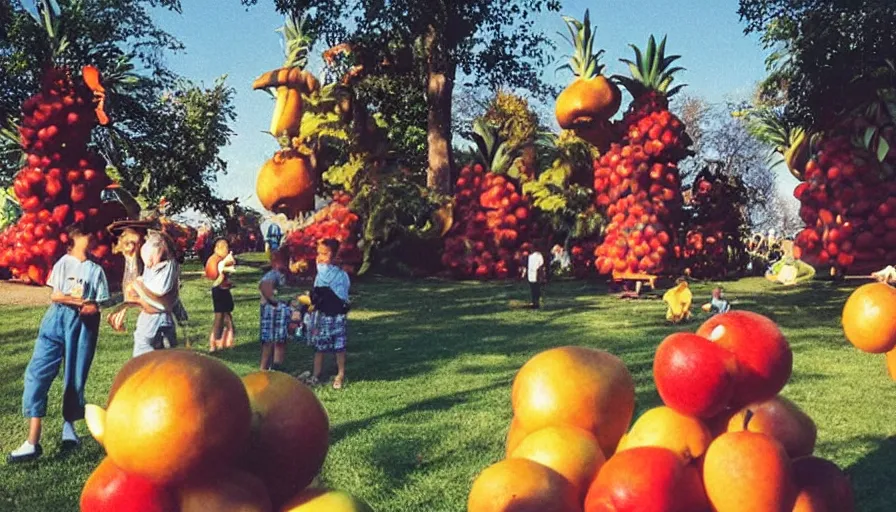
327, 333
274, 326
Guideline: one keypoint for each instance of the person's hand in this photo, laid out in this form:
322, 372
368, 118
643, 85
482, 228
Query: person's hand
89, 309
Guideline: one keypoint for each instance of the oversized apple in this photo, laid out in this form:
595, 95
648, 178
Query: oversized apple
781, 419
693, 375
109, 489
764, 358
822, 486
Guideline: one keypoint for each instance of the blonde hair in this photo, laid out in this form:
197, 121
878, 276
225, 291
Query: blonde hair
126, 236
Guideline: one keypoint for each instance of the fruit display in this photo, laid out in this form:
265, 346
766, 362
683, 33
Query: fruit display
62, 180
725, 440
183, 236
251, 444
288, 181
869, 321
336, 221
637, 182
714, 239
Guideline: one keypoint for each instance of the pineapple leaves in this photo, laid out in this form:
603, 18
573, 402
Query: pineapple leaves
651, 70
584, 62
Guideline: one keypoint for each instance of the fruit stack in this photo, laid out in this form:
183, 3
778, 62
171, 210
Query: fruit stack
492, 229
724, 441
713, 246
61, 182
869, 321
250, 445
849, 209
335, 221
637, 181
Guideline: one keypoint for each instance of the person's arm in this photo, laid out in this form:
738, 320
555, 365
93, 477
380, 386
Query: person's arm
266, 287
58, 297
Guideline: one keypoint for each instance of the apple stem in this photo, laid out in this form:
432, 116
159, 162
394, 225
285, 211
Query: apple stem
747, 417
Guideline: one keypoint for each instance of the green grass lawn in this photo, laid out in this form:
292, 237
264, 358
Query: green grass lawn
427, 401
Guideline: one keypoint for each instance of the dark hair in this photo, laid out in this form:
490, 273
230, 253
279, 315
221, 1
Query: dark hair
332, 244
279, 256
75, 230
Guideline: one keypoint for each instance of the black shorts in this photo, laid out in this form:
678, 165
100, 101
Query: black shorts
222, 300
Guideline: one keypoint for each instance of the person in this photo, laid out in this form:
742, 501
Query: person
157, 292
327, 322
679, 301
275, 315
272, 236
717, 304
560, 260
535, 274
68, 333
128, 245
218, 268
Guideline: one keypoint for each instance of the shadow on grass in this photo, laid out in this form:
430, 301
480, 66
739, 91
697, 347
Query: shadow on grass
873, 473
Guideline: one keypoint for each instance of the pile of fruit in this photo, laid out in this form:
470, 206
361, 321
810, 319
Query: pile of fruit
714, 245
250, 445
849, 209
492, 230
62, 180
335, 221
724, 440
637, 182
869, 321
182, 235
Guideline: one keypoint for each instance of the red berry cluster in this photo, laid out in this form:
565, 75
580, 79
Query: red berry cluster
493, 229
61, 182
335, 221
714, 245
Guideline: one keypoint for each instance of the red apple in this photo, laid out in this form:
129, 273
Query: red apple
109, 489
693, 375
822, 486
764, 359
644, 479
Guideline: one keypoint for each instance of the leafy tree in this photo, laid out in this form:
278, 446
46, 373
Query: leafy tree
166, 132
826, 53
494, 41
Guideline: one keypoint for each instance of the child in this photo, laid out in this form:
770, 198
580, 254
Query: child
328, 320
68, 332
679, 301
535, 273
275, 315
157, 293
718, 304
218, 267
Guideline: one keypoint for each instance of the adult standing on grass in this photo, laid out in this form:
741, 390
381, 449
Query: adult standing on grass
68, 332
329, 297
157, 293
535, 273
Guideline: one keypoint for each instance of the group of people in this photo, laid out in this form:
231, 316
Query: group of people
69, 330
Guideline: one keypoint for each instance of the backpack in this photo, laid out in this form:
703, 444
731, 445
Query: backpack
327, 302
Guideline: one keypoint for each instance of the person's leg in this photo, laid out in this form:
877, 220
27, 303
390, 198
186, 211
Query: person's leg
266, 349
229, 329
536, 295
218, 328
340, 369
279, 355
79, 352
318, 365
143, 344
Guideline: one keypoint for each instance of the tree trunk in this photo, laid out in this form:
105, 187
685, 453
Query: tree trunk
439, 86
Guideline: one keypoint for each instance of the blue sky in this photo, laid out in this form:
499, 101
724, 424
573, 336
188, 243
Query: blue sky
222, 37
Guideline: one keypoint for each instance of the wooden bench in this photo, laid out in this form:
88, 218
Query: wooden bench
639, 280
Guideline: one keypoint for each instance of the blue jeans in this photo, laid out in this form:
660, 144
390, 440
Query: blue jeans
64, 336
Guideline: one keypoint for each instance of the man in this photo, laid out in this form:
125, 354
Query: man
535, 273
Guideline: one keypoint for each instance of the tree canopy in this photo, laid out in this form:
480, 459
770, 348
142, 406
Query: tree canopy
825, 53
166, 132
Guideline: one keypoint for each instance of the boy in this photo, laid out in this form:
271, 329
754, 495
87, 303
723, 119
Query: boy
718, 304
157, 293
68, 332
535, 274
274, 316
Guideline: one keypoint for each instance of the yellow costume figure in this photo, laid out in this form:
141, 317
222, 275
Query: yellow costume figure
679, 300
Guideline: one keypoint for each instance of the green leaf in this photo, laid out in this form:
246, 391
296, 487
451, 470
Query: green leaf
883, 148
870, 132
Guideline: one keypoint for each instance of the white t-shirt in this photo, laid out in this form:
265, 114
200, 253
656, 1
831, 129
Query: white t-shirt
536, 260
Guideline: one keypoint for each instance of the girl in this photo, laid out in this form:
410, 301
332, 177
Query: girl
275, 315
328, 320
68, 332
218, 267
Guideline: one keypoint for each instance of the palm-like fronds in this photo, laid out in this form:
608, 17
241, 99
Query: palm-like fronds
494, 153
584, 62
297, 42
651, 71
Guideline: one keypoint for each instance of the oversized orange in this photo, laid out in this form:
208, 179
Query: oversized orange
520, 485
228, 491
822, 487
869, 318
286, 183
666, 428
178, 414
515, 436
748, 471
781, 419
570, 451
290, 433
578, 387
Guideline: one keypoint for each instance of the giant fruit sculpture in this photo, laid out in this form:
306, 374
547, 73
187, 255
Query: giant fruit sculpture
287, 181
637, 182
334, 221
493, 229
62, 180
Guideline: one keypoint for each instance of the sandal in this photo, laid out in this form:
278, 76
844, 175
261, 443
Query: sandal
337, 382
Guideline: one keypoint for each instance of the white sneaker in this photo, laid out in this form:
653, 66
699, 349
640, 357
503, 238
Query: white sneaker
25, 453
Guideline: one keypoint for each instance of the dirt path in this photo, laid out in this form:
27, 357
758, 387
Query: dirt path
15, 294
